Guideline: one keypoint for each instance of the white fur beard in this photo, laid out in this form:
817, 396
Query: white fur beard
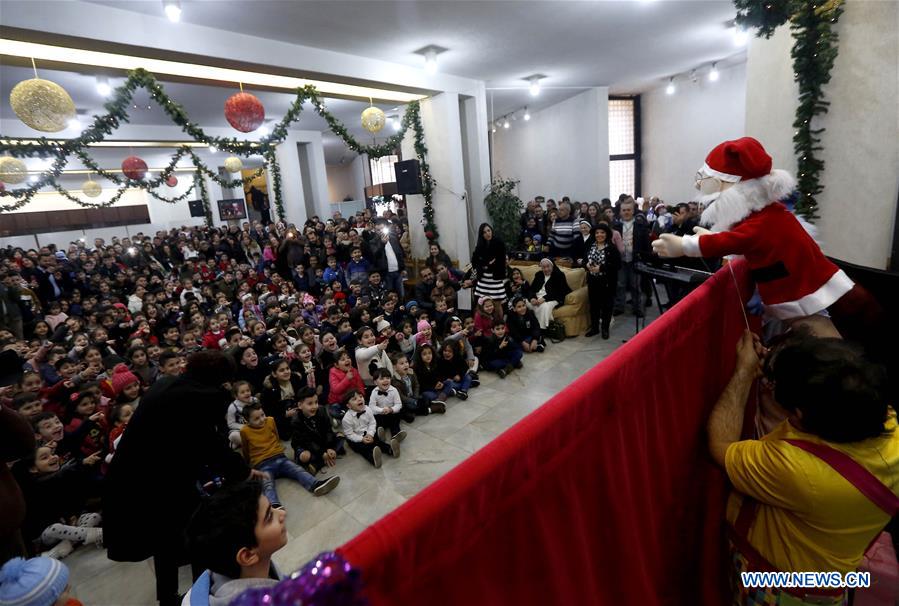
731, 206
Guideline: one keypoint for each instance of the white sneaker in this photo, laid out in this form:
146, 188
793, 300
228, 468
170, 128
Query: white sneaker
95, 536
400, 436
395, 448
59, 551
376, 457
382, 434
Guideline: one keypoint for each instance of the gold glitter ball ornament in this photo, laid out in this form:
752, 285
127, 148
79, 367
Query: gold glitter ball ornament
91, 189
373, 119
233, 164
42, 105
12, 170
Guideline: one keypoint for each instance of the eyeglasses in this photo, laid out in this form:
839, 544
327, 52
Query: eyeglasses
699, 178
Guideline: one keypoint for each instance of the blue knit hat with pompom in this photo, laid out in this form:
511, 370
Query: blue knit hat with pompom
34, 582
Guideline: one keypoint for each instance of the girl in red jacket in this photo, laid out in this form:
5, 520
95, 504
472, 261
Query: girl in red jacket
342, 378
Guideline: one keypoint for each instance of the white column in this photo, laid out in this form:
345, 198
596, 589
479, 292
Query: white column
443, 138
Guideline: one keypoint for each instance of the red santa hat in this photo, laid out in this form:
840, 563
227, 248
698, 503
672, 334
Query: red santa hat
738, 160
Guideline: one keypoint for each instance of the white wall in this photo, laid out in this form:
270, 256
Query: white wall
340, 182
861, 143
562, 151
679, 130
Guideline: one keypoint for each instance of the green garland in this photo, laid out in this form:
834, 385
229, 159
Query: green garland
276, 182
814, 51
204, 197
117, 113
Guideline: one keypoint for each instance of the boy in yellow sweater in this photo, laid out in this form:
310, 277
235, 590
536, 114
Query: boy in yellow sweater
263, 450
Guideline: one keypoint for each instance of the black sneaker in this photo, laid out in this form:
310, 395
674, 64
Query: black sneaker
323, 487
541, 347
438, 408
502, 373
509, 369
475, 383
395, 448
439, 403
462, 394
376, 457
451, 393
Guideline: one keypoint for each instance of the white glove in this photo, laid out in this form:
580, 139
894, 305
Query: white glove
668, 245
701, 231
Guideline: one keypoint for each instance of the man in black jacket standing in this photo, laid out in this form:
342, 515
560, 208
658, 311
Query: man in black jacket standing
173, 448
387, 256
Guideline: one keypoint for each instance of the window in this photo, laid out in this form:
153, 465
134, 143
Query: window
624, 146
382, 169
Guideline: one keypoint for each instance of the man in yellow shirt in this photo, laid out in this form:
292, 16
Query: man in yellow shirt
808, 516
263, 450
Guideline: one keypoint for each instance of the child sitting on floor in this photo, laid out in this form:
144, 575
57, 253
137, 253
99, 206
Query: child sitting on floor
233, 535
361, 430
243, 397
263, 451
406, 384
315, 445
56, 496
524, 328
501, 353
385, 404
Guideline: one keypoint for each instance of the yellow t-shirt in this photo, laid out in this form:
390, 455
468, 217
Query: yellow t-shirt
260, 444
810, 518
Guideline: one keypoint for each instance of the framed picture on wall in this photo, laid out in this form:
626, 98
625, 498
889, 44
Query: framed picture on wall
233, 209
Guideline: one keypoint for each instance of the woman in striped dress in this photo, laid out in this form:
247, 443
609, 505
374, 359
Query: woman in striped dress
488, 261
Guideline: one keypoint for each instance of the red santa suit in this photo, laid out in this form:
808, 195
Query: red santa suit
794, 277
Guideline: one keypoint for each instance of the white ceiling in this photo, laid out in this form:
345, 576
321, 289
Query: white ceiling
628, 45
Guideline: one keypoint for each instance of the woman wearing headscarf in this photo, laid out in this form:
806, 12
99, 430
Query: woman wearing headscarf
582, 236
547, 292
602, 261
488, 262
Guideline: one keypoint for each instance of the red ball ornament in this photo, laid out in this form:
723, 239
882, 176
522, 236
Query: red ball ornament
134, 168
429, 235
171, 181
244, 112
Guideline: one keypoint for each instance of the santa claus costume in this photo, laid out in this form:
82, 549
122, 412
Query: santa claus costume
794, 277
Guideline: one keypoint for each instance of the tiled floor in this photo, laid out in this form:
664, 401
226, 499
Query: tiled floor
435, 445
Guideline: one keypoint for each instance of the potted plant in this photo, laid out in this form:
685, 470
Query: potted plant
505, 208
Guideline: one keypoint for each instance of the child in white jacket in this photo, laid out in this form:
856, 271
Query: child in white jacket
362, 432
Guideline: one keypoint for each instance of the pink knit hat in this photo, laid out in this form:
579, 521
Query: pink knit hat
122, 378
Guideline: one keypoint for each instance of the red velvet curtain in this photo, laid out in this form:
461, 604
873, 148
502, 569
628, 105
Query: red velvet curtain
604, 495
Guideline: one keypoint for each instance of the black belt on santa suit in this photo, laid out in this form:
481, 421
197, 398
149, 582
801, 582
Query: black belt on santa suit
769, 273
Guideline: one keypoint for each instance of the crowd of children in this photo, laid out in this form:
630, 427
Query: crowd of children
327, 358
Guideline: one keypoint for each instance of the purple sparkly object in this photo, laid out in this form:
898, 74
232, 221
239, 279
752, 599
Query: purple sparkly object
326, 580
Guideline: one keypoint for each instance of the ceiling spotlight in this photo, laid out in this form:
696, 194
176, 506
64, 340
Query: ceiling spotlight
506, 124
493, 129
713, 75
669, 90
172, 10
212, 149
527, 115
431, 61
741, 36
103, 87
535, 86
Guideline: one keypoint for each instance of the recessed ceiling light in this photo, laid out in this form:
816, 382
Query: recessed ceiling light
713, 75
103, 87
172, 10
669, 90
506, 124
527, 115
